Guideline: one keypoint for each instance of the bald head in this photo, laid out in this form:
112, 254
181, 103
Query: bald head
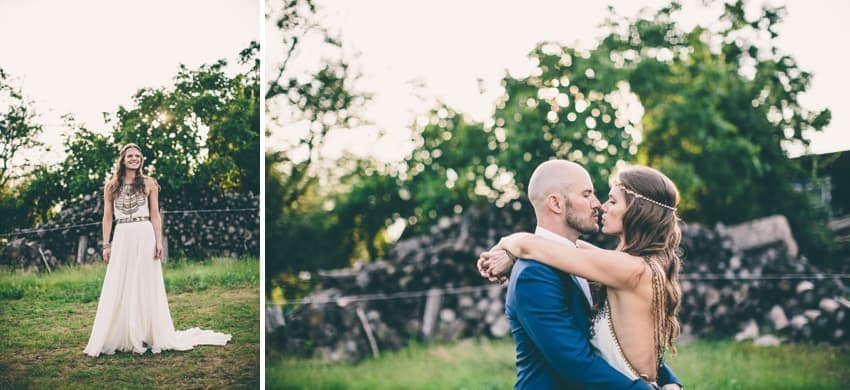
554, 176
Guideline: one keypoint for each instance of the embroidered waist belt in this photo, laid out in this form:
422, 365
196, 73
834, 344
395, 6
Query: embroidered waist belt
133, 219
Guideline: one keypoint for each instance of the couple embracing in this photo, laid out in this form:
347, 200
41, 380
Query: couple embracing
558, 343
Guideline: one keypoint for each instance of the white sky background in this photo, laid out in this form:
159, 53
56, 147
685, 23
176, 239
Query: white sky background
86, 57
449, 45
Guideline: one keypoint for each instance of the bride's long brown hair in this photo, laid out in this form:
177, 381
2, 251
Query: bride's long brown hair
119, 172
651, 231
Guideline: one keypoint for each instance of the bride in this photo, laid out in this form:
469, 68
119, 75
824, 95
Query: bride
638, 319
132, 313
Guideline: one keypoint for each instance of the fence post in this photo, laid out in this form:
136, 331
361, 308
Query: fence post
432, 307
44, 259
82, 245
368, 329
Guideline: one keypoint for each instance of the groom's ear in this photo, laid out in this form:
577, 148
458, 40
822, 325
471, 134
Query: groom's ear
555, 203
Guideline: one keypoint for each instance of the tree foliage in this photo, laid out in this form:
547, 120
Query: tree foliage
713, 107
720, 108
233, 140
316, 98
18, 130
201, 132
573, 106
313, 100
19, 134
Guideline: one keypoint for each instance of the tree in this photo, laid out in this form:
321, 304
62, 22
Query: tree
38, 194
18, 131
169, 124
720, 107
574, 105
233, 139
317, 100
89, 161
309, 99
712, 108
18, 134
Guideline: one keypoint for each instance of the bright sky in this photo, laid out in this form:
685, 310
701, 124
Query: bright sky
86, 57
450, 45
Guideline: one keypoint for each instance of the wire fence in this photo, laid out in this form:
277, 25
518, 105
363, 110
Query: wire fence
444, 291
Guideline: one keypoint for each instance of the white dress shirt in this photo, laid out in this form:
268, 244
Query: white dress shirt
582, 282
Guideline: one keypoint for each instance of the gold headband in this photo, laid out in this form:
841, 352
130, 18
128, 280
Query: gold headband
641, 196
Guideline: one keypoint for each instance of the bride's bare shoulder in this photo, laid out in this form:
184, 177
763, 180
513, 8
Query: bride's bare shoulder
629, 269
109, 188
151, 184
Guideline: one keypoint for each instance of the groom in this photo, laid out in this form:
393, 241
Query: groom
547, 309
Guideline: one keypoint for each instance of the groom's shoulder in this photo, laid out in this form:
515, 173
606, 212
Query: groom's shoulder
527, 279
530, 267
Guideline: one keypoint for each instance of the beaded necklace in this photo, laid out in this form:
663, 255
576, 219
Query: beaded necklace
128, 200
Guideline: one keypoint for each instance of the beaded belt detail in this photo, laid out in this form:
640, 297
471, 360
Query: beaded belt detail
134, 219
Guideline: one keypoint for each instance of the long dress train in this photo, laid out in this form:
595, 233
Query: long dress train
132, 313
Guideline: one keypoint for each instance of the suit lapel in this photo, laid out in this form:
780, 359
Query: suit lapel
577, 302
585, 306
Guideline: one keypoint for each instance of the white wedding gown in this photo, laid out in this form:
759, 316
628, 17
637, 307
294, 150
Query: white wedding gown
132, 313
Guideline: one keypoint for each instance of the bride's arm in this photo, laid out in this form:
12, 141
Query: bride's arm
496, 264
612, 268
156, 218
106, 222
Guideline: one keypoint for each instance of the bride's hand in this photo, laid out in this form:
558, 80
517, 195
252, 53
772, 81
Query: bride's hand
495, 264
158, 254
107, 252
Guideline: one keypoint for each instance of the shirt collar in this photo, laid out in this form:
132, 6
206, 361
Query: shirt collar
549, 235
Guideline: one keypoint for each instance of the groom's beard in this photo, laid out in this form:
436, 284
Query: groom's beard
585, 226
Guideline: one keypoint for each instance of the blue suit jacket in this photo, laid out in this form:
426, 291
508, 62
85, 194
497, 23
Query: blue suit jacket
547, 313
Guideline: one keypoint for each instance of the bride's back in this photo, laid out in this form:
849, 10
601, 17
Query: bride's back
633, 324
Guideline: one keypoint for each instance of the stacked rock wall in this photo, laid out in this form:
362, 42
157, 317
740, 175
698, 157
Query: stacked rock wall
427, 288
217, 224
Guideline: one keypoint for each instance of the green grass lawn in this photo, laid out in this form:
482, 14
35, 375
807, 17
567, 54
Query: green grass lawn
490, 365
46, 320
